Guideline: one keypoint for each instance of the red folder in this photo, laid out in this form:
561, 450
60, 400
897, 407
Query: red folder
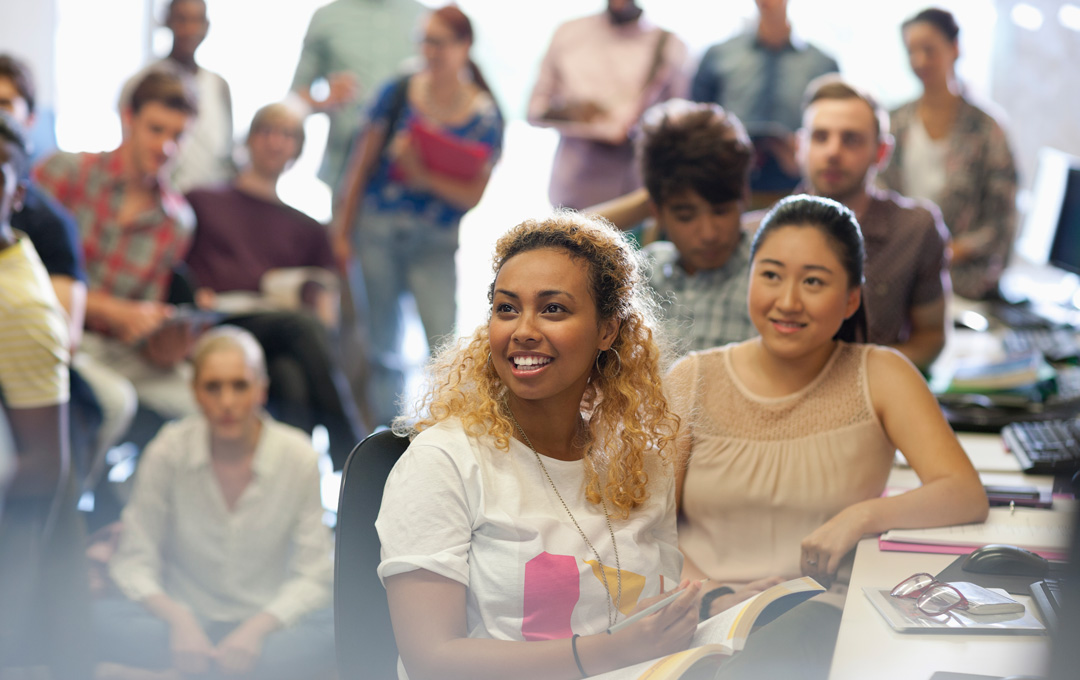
448, 155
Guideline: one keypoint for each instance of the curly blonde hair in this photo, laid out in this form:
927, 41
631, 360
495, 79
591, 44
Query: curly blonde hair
627, 409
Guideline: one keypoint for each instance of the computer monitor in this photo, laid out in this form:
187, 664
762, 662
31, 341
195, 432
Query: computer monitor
1065, 249
1051, 233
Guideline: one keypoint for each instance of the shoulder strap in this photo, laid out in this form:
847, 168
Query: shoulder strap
397, 107
657, 58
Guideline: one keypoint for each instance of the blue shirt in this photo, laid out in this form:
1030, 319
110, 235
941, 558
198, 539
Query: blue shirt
757, 83
388, 195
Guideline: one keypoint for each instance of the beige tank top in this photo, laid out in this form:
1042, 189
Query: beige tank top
765, 472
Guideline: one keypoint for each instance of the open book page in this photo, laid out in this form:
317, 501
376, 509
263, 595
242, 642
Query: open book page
721, 635
696, 663
732, 626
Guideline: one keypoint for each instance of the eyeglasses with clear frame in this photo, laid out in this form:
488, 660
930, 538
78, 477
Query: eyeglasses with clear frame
934, 598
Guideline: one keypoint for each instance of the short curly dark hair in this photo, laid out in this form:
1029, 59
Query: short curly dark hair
13, 136
701, 147
18, 72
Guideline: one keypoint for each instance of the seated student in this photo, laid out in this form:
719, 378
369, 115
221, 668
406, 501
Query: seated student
243, 232
223, 554
842, 144
695, 160
44, 601
534, 503
56, 238
790, 436
134, 228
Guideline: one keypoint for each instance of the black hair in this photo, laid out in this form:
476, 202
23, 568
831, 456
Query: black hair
17, 71
695, 146
940, 19
843, 234
13, 136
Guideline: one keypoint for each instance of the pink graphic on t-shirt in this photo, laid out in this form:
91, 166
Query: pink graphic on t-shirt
551, 593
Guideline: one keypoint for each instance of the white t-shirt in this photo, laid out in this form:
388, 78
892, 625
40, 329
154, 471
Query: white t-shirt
459, 507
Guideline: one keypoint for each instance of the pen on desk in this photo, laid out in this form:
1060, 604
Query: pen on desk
651, 609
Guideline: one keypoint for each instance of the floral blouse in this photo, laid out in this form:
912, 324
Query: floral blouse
978, 201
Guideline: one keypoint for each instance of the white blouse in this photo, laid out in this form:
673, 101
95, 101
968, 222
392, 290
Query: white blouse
270, 553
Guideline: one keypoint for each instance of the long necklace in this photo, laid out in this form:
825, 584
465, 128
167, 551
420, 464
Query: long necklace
612, 615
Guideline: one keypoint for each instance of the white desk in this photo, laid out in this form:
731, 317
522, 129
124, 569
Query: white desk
868, 648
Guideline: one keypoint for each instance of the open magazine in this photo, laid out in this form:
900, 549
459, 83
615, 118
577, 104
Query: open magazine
722, 635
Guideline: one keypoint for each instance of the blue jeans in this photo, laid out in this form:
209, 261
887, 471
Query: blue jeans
130, 635
399, 254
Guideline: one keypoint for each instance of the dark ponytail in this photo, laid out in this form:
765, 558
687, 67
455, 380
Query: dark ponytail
940, 19
841, 230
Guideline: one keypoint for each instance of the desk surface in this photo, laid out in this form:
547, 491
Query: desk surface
868, 648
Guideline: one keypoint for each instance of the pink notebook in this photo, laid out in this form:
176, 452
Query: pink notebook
448, 155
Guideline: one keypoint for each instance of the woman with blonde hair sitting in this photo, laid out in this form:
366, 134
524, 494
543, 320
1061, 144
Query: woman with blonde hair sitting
536, 501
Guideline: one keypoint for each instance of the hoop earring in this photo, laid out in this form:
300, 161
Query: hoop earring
617, 370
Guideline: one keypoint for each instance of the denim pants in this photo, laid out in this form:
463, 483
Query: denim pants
398, 254
130, 635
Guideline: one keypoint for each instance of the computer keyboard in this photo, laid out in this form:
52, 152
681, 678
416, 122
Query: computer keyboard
1047, 598
1045, 447
1019, 316
1058, 344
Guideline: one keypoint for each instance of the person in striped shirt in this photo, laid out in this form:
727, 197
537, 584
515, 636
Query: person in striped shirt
45, 610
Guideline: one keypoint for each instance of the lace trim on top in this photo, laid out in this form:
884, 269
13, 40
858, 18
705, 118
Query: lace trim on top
837, 398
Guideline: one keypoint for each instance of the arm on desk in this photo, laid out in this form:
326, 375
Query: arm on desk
951, 492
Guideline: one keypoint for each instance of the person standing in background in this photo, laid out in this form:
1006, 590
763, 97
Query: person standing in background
396, 229
843, 142
952, 152
205, 156
760, 76
354, 45
599, 75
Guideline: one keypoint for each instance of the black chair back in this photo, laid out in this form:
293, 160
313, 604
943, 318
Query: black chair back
362, 630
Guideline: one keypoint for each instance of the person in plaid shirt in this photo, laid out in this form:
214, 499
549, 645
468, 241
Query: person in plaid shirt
695, 160
135, 227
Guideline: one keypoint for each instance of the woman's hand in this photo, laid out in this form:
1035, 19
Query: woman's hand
407, 161
237, 653
665, 632
823, 549
191, 649
741, 594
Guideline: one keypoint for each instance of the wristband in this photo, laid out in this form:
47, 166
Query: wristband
577, 659
707, 600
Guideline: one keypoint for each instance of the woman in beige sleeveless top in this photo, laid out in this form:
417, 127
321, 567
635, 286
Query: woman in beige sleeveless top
790, 436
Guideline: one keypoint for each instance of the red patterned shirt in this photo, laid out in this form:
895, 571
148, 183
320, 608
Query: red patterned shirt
134, 260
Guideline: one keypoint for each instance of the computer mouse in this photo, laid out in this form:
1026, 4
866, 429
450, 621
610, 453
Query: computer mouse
1005, 559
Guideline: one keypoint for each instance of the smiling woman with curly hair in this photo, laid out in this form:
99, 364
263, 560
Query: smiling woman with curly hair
536, 500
